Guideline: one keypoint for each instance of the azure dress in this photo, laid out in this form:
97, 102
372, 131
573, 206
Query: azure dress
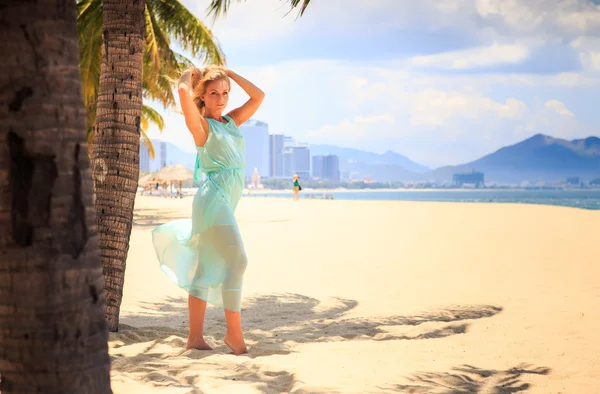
205, 255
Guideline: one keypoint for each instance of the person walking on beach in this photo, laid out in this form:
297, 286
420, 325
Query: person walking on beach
297, 186
205, 255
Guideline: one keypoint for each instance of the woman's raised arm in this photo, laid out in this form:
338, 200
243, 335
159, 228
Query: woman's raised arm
194, 120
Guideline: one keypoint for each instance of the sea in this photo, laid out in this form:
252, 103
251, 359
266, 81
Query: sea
577, 198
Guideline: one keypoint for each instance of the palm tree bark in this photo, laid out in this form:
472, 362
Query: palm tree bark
53, 335
115, 157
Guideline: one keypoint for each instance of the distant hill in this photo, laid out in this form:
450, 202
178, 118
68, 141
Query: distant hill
174, 156
359, 160
540, 157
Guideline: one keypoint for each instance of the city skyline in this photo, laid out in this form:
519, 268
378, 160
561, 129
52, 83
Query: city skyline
468, 76
271, 155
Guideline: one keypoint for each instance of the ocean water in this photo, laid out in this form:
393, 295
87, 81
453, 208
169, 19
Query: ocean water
578, 198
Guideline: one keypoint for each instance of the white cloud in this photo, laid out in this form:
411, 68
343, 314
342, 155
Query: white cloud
559, 107
253, 21
374, 119
360, 129
476, 57
552, 118
589, 52
547, 19
383, 107
261, 21
513, 13
585, 18
432, 107
569, 79
591, 61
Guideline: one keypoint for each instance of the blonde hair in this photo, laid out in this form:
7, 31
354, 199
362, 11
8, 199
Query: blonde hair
200, 78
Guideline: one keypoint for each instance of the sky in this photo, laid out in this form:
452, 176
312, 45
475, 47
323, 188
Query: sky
442, 82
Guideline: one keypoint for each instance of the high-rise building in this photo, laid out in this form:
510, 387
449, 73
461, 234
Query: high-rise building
256, 137
163, 154
331, 168
144, 157
288, 141
326, 167
276, 155
317, 167
288, 170
473, 177
297, 161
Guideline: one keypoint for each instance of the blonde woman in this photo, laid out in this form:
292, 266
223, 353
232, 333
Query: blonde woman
297, 187
205, 255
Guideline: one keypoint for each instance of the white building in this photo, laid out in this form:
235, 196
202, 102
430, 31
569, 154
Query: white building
331, 168
256, 137
296, 160
160, 156
276, 153
144, 157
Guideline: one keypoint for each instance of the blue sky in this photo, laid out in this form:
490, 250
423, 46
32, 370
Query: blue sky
440, 81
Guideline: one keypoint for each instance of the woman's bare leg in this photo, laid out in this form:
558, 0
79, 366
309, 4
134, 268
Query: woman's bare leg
197, 310
234, 338
229, 243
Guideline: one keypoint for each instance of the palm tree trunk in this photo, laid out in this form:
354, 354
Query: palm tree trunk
53, 335
115, 156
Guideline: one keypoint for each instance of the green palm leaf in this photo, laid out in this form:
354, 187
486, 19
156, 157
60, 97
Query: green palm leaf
178, 22
149, 115
89, 22
151, 46
219, 8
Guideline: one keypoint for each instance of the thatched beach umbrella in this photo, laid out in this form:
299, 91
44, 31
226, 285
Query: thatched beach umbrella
175, 173
148, 178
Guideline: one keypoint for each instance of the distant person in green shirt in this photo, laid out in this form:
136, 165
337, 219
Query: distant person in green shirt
297, 186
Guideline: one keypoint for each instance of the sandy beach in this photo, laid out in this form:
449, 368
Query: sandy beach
377, 297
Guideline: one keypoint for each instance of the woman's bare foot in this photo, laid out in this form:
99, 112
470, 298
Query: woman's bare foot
236, 344
197, 344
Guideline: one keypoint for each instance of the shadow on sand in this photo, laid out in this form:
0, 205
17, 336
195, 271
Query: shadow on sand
272, 321
469, 379
275, 325
146, 218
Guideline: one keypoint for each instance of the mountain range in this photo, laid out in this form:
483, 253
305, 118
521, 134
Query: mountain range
540, 157
537, 158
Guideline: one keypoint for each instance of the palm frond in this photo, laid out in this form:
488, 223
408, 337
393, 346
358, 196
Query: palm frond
151, 46
89, 26
90, 136
149, 115
161, 88
149, 145
89, 23
161, 39
82, 6
152, 116
190, 32
296, 3
218, 8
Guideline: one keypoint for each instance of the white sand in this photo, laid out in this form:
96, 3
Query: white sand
362, 297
